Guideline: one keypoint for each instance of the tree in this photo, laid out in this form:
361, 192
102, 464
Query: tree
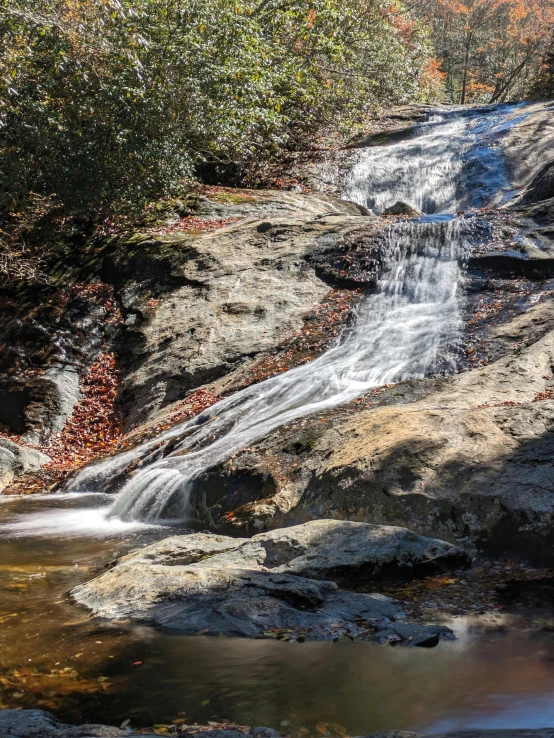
109, 103
490, 48
543, 83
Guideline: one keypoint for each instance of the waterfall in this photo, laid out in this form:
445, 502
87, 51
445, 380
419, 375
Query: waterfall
444, 165
410, 328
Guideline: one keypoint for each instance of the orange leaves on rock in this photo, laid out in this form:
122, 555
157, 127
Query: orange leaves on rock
547, 394
321, 327
95, 425
193, 224
194, 404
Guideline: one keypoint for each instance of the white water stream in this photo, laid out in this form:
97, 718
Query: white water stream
410, 328
450, 163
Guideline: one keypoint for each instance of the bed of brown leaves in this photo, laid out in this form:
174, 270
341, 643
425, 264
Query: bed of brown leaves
192, 224
95, 424
92, 431
194, 404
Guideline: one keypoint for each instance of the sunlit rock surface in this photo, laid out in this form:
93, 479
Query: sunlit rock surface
279, 580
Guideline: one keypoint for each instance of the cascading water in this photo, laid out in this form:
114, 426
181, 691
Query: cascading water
447, 163
410, 328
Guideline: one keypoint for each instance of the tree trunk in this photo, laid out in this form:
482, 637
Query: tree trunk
466, 67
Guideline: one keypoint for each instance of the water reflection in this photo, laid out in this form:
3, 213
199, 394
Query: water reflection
54, 656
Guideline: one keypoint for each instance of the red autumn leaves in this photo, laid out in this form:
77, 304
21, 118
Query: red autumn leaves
95, 425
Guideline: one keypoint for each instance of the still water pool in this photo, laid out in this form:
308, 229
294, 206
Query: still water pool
53, 656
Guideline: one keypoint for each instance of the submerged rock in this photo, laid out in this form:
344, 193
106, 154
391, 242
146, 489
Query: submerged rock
241, 587
402, 208
42, 724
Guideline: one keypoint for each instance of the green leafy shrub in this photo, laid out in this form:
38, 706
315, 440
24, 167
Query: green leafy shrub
107, 104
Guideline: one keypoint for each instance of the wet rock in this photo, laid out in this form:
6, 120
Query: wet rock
503, 263
352, 260
61, 394
529, 144
37, 408
471, 460
413, 635
276, 580
17, 460
402, 208
41, 724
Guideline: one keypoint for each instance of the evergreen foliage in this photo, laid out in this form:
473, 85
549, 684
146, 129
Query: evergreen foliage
110, 103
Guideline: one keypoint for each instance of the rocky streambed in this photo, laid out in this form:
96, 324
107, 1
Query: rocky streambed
38, 724
298, 529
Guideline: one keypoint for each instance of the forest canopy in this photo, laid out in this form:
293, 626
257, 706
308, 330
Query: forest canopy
108, 104
107, 100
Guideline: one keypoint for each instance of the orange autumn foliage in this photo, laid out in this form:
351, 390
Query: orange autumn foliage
490, 48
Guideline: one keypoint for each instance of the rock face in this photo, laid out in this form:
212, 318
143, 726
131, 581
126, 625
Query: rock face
236, 293
17, 460
196, 305
277, 580
529, 144
471, 460
541, 188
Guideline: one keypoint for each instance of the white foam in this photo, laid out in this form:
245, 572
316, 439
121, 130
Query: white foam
409, 329
94, 522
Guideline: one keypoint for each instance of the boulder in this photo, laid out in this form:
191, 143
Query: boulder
17, 460
345, 552
352, 553
467, 458
276, 580
402, 208
234, 602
